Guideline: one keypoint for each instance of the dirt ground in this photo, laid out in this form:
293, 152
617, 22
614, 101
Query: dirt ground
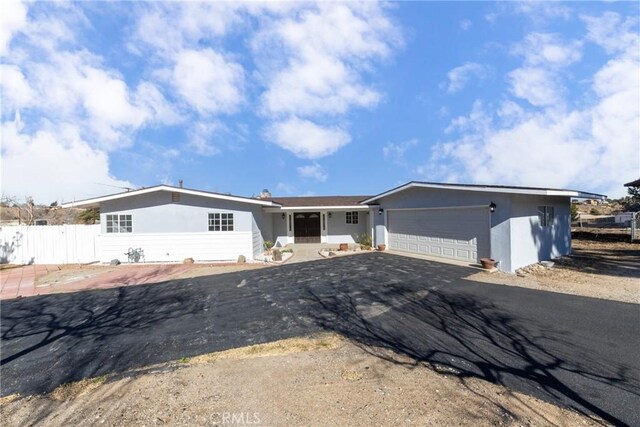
322, 381
604, 264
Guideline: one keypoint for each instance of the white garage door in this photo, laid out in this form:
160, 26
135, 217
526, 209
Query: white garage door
461, 234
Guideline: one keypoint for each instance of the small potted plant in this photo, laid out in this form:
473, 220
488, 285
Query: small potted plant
344, 247
488, 263
382, 247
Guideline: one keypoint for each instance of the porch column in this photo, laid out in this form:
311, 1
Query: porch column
324, 227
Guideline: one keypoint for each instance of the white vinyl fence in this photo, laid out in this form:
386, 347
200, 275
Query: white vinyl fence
49, 244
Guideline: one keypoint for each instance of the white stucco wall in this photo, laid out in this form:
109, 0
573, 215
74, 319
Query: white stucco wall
530, 242
168, 231
338, 231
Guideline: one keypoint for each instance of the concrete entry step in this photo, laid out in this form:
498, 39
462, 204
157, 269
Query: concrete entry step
303, 252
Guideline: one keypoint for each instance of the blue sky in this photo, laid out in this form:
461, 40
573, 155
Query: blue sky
317, 98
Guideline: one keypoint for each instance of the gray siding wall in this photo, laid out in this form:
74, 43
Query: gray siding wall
500, 244
278, 226
530, 242
155, 213
340, 231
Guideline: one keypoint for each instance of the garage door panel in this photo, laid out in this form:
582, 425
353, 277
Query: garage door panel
458, 234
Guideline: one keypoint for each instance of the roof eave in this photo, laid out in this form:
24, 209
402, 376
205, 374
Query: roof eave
95, 202
524, 191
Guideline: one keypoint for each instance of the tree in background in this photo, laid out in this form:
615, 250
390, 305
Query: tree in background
632, 201
89, 216
575, 214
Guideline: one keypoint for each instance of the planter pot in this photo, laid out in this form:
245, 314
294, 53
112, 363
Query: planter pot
382, 247
488, 263
344, 246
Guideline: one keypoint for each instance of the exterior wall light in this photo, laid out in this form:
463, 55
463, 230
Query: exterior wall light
329, 214
284, 215
380, 211
492, 207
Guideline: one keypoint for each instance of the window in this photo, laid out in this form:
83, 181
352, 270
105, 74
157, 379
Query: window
220, 222
545, 216
119, 224
352, 217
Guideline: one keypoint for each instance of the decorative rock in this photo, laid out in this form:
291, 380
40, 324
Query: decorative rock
344, 246
115, 262
242, 259
331, 253
277, 255
188, 261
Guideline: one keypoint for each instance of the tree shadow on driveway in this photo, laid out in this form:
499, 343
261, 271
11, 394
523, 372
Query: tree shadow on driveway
55, 339
462, 334
575, 351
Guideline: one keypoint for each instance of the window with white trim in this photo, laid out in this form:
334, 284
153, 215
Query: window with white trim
221, 221
119, 224
545, 216
352, 217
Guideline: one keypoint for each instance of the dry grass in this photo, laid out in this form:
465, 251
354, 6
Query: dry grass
72, 390
10, 398
276, 348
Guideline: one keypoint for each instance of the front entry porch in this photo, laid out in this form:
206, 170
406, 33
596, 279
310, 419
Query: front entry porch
329, 225
306, 227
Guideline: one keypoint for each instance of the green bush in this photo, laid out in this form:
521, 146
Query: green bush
574, 212
364, 239
268, 244
594, 211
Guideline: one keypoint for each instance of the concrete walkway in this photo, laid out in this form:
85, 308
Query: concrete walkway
303, 252
21, 281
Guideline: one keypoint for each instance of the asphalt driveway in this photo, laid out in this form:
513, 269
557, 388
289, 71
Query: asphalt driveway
574, 351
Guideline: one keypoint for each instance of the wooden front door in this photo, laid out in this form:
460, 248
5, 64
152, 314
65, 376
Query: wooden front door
306, 227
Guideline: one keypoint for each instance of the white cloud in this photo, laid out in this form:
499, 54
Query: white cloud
612, 32
545, 49
208, 82
313, 171
537, 85
306, 139
395, 153
12, 19
323, 52
540, 10
592, 147
167, 28
201, 137
313, 63
16, 92
157, 108
465, 24
459, 76
52, 165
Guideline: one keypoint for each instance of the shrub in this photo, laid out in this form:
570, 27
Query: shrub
594, 211
364, 239
574, 212
268, 244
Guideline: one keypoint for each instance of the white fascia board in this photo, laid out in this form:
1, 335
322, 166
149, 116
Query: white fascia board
317, 208
527, 191
97, 200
